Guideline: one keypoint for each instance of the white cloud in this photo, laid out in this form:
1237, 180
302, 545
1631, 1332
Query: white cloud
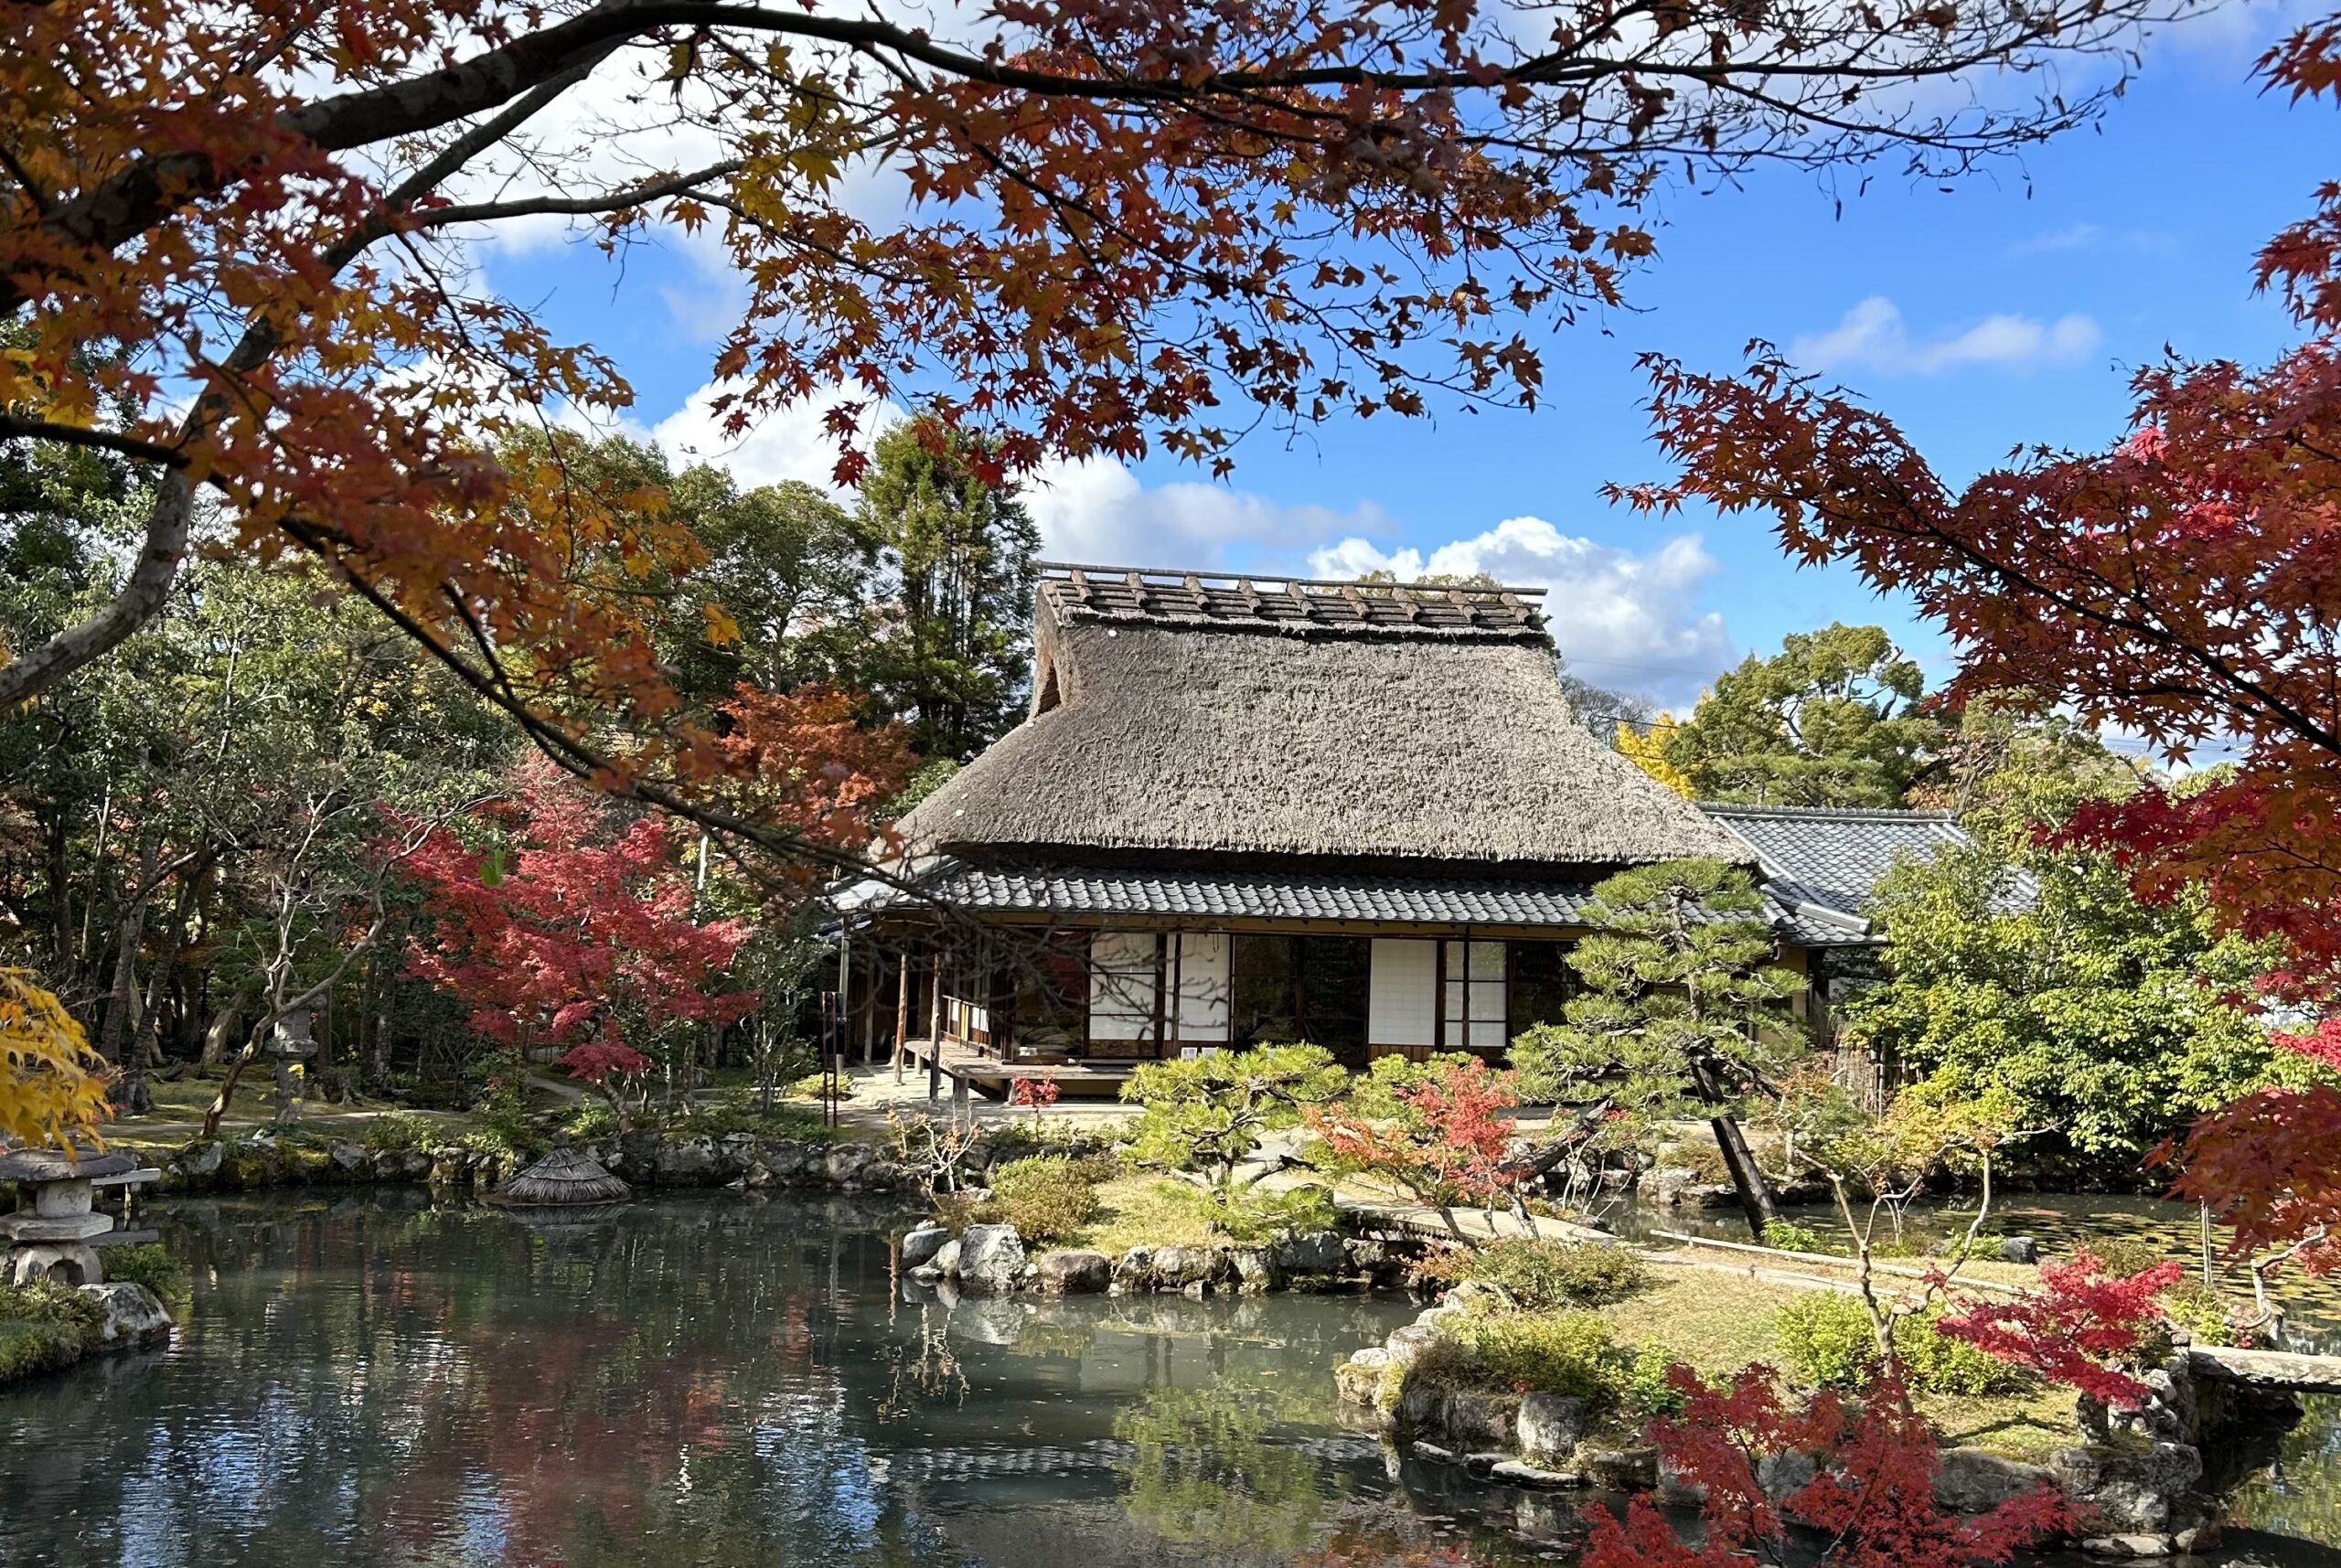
1873, 336
1096, 510
2092, 237
794, 444
1621, 619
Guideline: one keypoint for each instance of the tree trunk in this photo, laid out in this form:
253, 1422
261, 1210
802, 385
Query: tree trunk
1756, 1200
215, 1038
121, 1007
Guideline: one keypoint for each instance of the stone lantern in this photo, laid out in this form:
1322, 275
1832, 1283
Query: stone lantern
290, 1043
54, 1227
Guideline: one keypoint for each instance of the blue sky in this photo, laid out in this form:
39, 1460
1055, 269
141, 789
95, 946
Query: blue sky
2006, 309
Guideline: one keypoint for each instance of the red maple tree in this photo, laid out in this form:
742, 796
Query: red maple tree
2075, 1328
2183, 583
571, 927
1870, 1498
1448, 1142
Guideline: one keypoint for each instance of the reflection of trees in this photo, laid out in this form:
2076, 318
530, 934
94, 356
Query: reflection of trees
2301, 1495
1203, 1468
679, 1382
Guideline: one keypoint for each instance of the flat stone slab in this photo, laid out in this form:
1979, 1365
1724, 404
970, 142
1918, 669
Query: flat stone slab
1520, 1473
2267, 1369
54, 1164
65, 1228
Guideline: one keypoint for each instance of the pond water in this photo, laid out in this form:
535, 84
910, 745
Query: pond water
717, 1382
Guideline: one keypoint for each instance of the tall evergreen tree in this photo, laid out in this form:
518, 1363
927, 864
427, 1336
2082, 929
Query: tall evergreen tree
1831, 720
958, 549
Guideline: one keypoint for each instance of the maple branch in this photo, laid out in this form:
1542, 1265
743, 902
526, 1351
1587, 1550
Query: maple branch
128, 203
24, 426
578, 206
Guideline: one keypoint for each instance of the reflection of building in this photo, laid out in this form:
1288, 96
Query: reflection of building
1245, 810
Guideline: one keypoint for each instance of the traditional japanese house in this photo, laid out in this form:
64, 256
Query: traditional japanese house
1245, 810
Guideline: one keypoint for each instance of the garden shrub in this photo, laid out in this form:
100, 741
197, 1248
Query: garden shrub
1047, 1196
2201, 1310
1570, 1353
814, 1086
1826, 1340
401, 1132
1541, 1273
1792, 1238
593, 1121
1932, 1362
1645, 1388
154, 1266
2120, 1257
1257, 1217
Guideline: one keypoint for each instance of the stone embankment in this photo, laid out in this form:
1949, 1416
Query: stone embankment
647, 1160
2148, 1483
992, 1260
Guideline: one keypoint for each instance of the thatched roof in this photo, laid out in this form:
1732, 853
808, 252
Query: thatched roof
1361, 720
565, 1176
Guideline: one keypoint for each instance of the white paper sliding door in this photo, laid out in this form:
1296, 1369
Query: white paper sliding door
1203, 986
1121, 984
1401, 993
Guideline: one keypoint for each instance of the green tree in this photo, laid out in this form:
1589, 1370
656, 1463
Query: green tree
1682, 1011
1831, 720
779, 591
1208, 1114
2109, 1023
956, 548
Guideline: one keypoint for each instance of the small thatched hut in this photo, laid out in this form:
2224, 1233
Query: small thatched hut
565, 1177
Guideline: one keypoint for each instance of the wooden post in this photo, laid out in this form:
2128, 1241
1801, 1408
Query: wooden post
844, 1034
934, 1029
902, 1011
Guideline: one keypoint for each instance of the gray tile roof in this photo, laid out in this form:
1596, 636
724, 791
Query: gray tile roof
1240, 895
1823, 863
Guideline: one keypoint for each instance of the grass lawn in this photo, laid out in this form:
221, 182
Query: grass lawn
1145, 1210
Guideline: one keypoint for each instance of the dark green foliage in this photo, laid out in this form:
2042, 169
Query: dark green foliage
2104, 1019
157, 1268
1537, 1273
955, 555
1831, 720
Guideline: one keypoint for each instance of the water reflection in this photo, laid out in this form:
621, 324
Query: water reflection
710, 1381
715, 1382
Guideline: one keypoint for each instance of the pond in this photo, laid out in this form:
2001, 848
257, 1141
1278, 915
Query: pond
735, 1383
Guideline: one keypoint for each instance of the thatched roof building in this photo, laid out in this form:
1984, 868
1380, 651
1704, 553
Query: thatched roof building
1242, 810
1225, 718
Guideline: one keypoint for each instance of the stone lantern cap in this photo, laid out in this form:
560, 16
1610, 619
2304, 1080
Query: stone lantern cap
291, 1038
57, 1165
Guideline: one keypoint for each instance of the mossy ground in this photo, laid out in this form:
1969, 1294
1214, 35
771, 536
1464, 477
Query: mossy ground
1144, 1210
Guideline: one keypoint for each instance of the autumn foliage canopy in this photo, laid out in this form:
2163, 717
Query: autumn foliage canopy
237, 244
